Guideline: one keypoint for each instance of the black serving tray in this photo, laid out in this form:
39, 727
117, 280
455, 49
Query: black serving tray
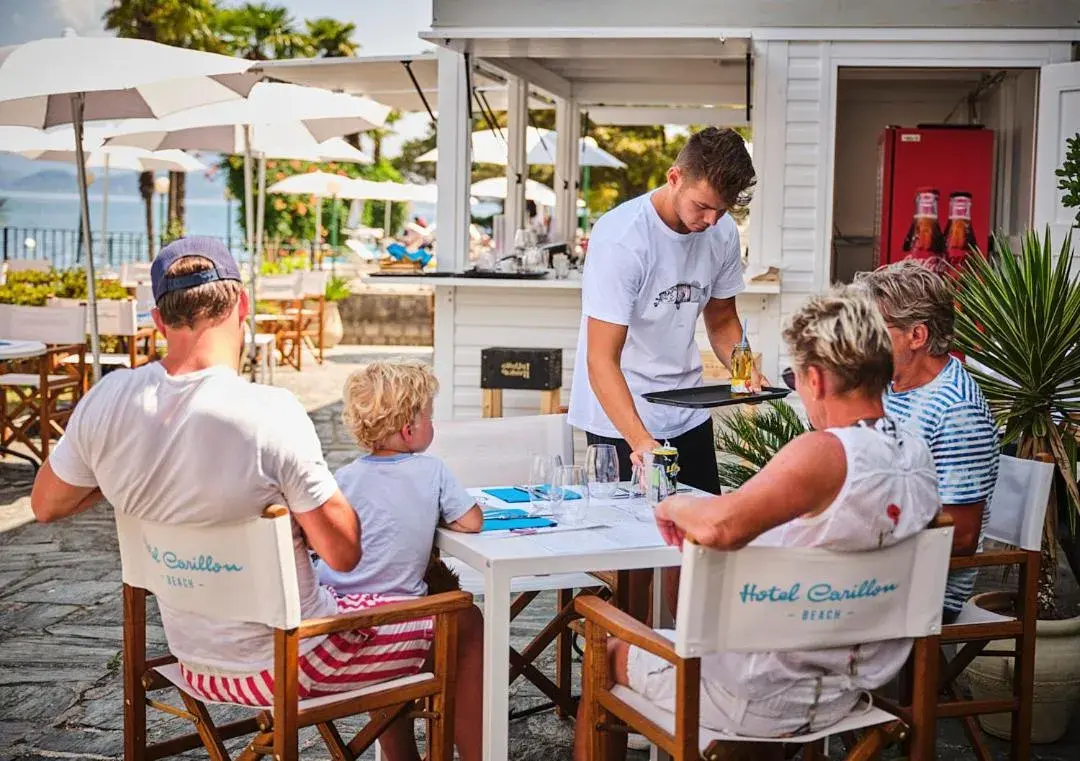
496, 275
391, 273
713, 396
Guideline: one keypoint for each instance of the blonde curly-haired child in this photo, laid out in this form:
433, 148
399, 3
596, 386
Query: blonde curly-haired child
401, 495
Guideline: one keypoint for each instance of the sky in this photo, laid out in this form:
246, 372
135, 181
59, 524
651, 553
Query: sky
382, 28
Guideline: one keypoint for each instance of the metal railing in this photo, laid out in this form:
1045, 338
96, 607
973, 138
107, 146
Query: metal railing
63, 247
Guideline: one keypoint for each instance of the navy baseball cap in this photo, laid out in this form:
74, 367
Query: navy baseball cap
209, 248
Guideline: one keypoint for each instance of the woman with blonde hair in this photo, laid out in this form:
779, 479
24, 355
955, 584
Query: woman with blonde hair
854, 483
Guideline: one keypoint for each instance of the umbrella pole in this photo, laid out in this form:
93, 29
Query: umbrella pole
318, 230
105, 211
249, 233
260, 224
386, 218
78, 100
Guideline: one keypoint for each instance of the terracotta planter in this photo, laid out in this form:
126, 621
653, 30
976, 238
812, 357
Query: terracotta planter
333, 329
1057, 675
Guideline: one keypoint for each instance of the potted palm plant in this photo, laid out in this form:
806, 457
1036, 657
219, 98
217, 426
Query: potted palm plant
1018, 316
748, 438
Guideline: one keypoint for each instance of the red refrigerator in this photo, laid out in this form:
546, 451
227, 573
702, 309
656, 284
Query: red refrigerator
934, 193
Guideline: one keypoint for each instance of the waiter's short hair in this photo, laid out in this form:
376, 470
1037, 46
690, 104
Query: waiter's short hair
719, 156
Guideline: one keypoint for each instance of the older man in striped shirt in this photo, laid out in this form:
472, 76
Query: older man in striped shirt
932, 395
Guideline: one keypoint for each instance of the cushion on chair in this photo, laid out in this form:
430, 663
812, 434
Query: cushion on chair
473, 581
172, 673
973, 614
860, 718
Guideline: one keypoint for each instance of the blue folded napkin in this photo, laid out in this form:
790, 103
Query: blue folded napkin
512, 495
512, 518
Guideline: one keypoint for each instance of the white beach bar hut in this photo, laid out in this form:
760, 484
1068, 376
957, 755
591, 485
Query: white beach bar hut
815, 80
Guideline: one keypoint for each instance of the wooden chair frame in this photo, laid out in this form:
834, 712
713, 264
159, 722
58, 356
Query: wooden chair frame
276, 732
39, 404
974, 638
605, 713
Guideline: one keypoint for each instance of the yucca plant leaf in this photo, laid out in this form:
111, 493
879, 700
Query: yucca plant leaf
1019, 316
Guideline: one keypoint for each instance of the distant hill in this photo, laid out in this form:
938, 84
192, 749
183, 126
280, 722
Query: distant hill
33, 177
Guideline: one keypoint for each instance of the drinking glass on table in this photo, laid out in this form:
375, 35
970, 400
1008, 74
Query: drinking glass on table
602, 470
658, 486
570, 494
540, 482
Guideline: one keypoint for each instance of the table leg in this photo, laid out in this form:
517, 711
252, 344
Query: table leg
496, 665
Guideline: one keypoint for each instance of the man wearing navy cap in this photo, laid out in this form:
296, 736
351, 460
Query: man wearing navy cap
187, 440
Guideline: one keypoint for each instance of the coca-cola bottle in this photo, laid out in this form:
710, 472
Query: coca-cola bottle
924, 240
959, 234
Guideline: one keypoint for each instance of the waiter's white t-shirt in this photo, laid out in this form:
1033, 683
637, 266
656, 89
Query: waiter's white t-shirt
642, 274
204, 447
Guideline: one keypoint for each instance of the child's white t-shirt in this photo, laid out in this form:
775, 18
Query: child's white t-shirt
399, 500
642, 274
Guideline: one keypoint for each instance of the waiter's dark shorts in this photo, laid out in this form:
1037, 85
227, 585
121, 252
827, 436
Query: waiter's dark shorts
697, 457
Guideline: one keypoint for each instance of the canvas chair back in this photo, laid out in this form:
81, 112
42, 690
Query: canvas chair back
279, 287
313, 284
28, 265
116, 317
761, 599
48, 324
144, 304
244, 571
480, 452
1018, 504
134, 273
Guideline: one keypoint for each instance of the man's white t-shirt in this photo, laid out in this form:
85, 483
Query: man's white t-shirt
642, 274
204, 447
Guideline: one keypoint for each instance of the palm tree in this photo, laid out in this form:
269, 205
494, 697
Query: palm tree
261, 31
184, 23
379, 134
331, 38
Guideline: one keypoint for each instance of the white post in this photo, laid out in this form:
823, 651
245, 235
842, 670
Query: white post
567, 160
517, 167
318, 229
256, 258
454, 166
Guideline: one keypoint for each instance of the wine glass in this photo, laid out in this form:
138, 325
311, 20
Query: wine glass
570, 494
602, 470
539, 487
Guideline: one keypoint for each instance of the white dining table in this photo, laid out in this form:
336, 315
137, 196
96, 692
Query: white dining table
10, 350
627, 540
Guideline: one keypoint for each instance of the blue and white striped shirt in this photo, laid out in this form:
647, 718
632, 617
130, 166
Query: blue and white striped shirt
951, 415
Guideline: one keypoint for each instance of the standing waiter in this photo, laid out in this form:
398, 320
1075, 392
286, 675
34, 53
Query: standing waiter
655, 263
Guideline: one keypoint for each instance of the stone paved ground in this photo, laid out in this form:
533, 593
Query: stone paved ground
60, 622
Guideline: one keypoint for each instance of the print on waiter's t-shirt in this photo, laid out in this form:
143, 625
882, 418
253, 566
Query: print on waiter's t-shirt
680, 294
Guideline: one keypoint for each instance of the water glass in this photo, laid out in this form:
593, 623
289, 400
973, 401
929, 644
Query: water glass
658, 486
602, 470
541, 476
570, 494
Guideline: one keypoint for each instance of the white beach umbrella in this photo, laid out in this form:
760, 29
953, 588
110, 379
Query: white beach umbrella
71, 80
489, 147
258, 122
495, 187
128, 159
320, 113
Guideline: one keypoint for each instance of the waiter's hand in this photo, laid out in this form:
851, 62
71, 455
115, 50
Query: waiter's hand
640, 448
